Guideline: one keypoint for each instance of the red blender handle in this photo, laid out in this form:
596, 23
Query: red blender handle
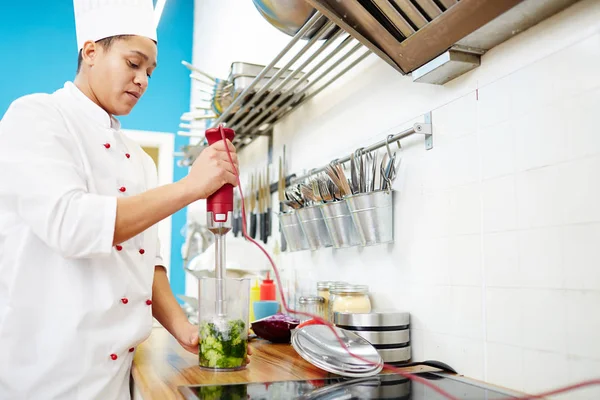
221, 201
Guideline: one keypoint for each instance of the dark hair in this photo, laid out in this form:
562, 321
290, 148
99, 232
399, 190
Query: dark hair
105, 43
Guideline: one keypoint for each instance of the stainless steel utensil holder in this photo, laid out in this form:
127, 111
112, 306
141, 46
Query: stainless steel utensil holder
292, 230
340, 224
313, 225
373, 215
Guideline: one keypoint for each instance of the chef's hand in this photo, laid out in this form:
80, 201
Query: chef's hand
212, 169
188, 339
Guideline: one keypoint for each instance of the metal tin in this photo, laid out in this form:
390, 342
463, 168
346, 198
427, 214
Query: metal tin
340, 224
294, 235
318, 345
313, 225
385, 337
395, 355
373, 215
375, 319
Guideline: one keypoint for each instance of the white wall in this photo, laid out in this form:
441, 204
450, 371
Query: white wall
498, 227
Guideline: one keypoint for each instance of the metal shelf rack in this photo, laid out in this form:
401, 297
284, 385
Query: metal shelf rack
312, 65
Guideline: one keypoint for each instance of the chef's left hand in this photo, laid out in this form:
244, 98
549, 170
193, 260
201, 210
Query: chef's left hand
188, 339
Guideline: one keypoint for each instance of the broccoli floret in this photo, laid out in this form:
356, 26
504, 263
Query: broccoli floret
223, 349
213, 357
212, 342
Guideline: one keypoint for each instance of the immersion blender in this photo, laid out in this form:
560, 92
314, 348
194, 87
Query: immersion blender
219, 207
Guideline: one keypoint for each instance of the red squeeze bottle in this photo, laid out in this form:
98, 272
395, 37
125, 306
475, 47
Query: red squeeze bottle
267, 289
220, 203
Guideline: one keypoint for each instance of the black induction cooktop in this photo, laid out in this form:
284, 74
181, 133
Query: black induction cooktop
376, 387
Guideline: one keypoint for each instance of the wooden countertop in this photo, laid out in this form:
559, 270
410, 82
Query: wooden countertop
161, 365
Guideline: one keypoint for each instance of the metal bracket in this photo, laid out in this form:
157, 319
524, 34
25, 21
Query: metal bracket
427, 130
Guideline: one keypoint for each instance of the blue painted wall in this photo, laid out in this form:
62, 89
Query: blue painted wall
38, 53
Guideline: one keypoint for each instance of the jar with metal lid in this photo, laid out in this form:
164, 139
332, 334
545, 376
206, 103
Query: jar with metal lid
349, 299
323, 290
331, 295
313, 305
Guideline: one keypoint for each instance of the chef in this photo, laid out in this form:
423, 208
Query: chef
81, 276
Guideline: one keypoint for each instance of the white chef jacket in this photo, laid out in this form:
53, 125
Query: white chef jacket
73, 307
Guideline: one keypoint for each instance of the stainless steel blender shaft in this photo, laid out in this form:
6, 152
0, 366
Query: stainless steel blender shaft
220, 229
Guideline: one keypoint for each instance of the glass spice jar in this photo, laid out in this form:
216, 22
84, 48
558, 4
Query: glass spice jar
323, 290
313, 305
349, 299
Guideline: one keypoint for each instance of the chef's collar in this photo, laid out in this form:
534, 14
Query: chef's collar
91, 109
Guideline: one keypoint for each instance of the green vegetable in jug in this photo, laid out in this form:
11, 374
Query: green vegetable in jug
223, 348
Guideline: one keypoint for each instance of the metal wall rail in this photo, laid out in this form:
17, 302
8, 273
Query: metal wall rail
418, 128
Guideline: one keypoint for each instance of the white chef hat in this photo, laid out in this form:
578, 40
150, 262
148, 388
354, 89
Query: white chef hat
99, 19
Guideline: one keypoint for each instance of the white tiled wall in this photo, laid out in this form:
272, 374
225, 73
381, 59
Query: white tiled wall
497, 252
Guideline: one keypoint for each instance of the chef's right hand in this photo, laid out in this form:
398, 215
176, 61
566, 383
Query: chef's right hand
212, 169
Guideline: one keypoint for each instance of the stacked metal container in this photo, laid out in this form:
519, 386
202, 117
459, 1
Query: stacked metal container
387, 331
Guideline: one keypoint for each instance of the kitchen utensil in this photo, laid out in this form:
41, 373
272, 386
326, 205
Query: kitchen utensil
263, 209
231, 338
372, 213
354, 173
290, 15
268, 198
220, 90
219, 207
292, 230
236, 225
373, 170
281, 196
319, 345
253, 205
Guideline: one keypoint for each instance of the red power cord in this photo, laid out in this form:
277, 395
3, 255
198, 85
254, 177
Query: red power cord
388, 367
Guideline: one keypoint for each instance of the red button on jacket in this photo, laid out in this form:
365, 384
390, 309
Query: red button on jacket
107, 145
142, 251
149, 302
119, 247
131, 350
124, 300
127, 155
122, 189
113, 357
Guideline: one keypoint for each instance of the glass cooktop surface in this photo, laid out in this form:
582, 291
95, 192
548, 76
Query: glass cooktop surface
376, 387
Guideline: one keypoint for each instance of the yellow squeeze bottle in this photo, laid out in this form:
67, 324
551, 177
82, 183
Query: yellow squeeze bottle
254, 296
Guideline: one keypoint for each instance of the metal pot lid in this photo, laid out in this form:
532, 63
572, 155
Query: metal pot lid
374, 319
318, 345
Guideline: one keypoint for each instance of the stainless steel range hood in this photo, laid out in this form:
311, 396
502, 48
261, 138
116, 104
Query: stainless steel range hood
450, 34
